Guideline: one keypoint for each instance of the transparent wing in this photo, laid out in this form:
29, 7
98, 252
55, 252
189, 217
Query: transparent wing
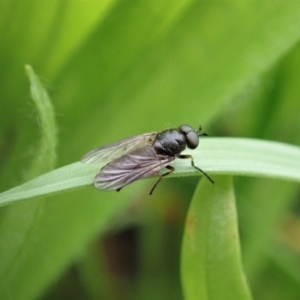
115, 150
140, 163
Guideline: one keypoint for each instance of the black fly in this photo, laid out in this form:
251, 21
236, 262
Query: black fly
142, 156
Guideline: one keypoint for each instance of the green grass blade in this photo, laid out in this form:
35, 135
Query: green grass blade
211, 262
19, 221
231, 156
45, 158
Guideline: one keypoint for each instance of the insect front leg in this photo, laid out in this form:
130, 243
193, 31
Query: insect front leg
160, 178
193, 165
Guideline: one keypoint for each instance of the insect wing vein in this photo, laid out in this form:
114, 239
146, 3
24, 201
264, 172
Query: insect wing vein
140, 163
115, 150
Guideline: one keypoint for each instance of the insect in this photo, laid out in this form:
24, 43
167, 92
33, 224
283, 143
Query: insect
143, 155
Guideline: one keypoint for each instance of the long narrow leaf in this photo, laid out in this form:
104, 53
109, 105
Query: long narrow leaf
46, 155
215, 155
211, 263
19, 221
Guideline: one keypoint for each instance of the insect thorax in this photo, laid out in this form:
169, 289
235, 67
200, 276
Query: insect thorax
169, 142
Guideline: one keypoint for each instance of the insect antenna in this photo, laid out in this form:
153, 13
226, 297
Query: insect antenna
199, 132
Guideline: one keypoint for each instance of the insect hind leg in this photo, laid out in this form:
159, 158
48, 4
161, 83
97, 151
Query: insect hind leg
171, 170
193, 165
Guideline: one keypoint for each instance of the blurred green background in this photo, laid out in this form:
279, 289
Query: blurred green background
120, 68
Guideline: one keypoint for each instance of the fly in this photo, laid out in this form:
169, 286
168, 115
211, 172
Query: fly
143, 155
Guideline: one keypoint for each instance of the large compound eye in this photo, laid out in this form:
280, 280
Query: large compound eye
185, 129
192, 138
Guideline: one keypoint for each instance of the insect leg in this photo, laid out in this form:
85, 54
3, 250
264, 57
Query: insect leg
160, 178
193, 165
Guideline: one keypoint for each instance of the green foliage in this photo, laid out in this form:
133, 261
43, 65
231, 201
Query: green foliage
120, 68
218, 155
211, 247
